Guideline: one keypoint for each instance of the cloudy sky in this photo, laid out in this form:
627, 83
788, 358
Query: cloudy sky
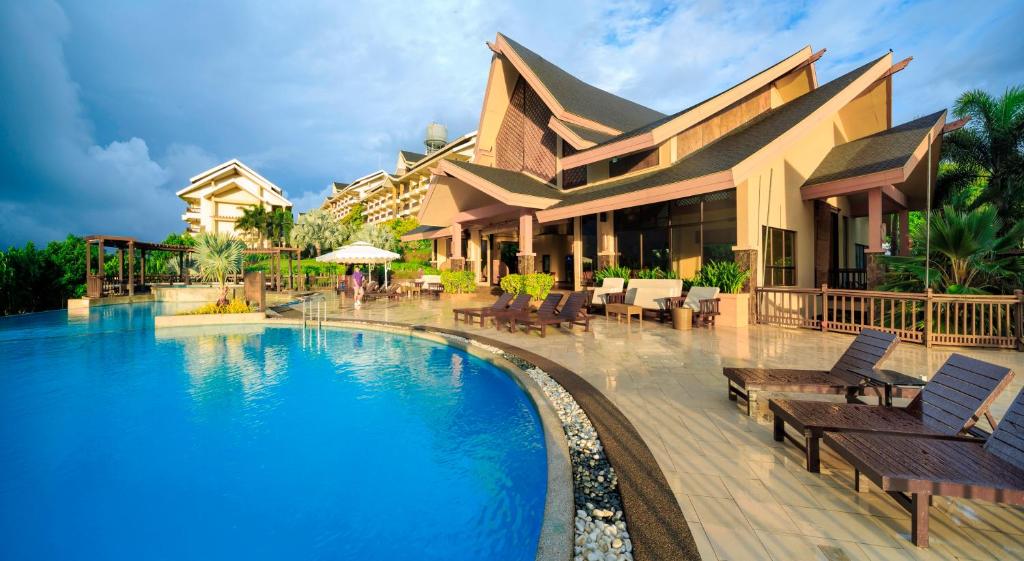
107, 107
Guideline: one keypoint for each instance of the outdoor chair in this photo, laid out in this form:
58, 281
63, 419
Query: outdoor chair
484, 312
703, 300
609, 285
519, 304
867, 351
912, 470
950, 404
654, 296
548, 307
571, 313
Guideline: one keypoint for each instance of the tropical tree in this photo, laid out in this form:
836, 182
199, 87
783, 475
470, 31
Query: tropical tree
968, 254
319, 230
987, 153
254, 222
217, 256
279, 226
377, 235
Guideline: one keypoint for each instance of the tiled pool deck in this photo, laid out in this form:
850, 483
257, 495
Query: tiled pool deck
745, 496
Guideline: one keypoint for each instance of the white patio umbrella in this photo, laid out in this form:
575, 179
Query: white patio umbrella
360, 253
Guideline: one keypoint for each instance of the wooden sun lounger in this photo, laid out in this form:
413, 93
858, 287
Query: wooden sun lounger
867, 351
572, 313
912, 470
519, 304
467, 313
548, 306
952, 402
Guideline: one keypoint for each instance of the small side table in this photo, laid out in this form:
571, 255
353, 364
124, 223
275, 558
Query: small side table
628, 310
682, 318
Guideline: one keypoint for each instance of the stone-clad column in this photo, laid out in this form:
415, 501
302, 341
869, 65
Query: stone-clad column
526, 256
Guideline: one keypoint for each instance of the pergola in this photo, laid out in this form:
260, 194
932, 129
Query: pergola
98, 285
274, 274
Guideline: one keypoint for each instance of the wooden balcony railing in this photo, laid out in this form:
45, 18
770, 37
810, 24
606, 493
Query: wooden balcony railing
926, 318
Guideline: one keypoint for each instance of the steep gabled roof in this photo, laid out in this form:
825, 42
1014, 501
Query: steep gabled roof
578, 136
511, 181
883, 151
412, 157
726, 152
574, 95
657, 130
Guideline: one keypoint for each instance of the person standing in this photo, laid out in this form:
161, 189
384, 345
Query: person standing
357, 286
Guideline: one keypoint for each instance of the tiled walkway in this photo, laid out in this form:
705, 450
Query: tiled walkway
745, 496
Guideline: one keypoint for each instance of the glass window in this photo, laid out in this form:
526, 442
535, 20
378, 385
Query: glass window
860, 259
779, 257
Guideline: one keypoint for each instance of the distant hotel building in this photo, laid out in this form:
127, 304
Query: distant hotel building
386, 196
216, 198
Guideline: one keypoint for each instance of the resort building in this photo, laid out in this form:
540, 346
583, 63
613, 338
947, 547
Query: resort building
385, 196
216, 198
801, 182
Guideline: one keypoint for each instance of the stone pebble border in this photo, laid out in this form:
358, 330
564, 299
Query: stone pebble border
600, 531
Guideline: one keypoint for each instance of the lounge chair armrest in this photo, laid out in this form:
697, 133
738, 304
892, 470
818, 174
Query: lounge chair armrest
674, 302
709, 306
615, 298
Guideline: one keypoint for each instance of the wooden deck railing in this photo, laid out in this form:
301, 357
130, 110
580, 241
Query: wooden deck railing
926, 318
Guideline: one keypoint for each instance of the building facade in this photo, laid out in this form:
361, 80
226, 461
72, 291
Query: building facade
800, 182
384, 196
216, 198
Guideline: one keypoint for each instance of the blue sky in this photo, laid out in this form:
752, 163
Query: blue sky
107, 107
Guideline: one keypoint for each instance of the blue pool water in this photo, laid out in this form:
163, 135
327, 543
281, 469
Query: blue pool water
117, 442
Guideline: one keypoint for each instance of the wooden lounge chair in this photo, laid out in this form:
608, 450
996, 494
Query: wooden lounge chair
912, 470
500, 304
519, 304
572, 313
952, 402
548, 306
867, 351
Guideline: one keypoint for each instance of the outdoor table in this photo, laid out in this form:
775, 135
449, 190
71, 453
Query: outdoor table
624, 309
888, 379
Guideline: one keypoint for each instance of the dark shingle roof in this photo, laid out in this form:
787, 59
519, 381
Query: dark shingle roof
412, 157
648, 127
728, 150
881, 151
511, 181
589, 135
580, 98
422, 229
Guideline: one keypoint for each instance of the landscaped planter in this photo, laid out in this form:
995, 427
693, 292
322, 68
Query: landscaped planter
459, 295
208, 319
734, 309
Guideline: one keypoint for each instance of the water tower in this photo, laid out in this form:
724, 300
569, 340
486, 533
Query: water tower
437, 137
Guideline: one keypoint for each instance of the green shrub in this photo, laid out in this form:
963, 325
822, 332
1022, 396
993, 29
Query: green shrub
537, 285
411, 270
611, 272
458, 282
726, 275
236, 306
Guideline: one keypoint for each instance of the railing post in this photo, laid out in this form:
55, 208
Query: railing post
1020, 318
927, 336
824, 308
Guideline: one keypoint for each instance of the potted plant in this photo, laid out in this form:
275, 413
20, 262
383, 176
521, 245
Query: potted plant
733, 305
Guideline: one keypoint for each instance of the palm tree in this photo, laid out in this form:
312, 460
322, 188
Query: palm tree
218, 255
377, 235
988, 150
968, 254
254, 221
279, 226
318, 229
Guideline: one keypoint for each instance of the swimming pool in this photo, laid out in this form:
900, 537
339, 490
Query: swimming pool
118, 442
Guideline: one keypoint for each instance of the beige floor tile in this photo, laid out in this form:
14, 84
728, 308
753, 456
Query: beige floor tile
704, 547
766, 515
685, 505
795, 547
837, 525
736, 544
719, 512
698, 484
909, 553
